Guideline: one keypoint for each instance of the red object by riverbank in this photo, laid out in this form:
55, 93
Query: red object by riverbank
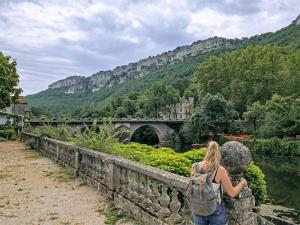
195, 146
238, 136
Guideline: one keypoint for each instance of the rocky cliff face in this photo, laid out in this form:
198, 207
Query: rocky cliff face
71, 85
297, 21
121, 74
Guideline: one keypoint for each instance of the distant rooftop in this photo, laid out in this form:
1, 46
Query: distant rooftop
21, 100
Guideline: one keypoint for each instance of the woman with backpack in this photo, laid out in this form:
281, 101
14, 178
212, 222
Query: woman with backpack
205, 190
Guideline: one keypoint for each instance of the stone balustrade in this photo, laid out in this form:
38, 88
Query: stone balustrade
154, 196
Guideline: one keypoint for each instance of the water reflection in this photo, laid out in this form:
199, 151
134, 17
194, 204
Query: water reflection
282, 177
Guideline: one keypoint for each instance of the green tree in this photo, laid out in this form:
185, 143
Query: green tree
213, 116
292, 78
156, 99
254, 113
244, 76
9, 80
277, 117
181, 85
37, 112
294, 115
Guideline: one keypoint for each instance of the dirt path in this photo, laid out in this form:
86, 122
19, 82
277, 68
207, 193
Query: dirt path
34, 190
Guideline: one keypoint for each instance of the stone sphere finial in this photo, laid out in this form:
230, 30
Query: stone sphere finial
235, 157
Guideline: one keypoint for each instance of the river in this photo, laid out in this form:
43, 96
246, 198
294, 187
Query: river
282, 177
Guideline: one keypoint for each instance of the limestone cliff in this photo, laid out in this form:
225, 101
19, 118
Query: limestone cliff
297, 21
121, 74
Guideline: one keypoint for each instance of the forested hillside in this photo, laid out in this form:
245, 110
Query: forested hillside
55, 103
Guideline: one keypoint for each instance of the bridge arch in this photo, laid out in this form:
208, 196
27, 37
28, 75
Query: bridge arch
156, 129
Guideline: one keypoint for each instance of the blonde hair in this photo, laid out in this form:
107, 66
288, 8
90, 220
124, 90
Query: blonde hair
213, 155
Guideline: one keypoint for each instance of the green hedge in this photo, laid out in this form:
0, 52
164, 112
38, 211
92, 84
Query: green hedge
274, 146
256, 181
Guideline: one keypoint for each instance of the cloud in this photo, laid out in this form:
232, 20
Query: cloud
53, 39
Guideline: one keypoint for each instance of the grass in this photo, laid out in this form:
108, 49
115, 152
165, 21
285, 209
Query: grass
64, 176
48, 174
53, 216
33, 156
82, 184
114, 214
3, 175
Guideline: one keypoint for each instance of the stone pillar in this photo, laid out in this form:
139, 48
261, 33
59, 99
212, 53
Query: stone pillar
236, 158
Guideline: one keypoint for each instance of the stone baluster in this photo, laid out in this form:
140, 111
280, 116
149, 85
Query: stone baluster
77, 161
133, 195
147, 192
98, 169
140, 189
82, 165
121, 180
175, 205
102, 171
236, 158
57, 151
125, 182
92, 168
106, 174
86, 167
186, 213
155, 207
164, 212
87, 163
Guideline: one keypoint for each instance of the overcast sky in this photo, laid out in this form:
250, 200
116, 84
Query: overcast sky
53, 39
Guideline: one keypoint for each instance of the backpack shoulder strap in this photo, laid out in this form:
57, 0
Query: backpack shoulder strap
213, 173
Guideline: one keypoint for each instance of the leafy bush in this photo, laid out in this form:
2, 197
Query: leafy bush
8, 132
169, 161
60, 132
162, 158
133, 151
196, 155
273, 146
256, 181
97, 137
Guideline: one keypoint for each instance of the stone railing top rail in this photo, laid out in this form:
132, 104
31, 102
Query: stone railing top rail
168, 178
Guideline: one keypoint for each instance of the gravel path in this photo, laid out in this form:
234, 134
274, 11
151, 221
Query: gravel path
34, 190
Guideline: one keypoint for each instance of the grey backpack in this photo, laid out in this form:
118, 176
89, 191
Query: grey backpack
200, 193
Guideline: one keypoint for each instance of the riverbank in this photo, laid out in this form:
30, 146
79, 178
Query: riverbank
278, 212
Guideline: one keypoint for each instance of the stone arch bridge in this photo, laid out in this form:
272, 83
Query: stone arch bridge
167, 131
